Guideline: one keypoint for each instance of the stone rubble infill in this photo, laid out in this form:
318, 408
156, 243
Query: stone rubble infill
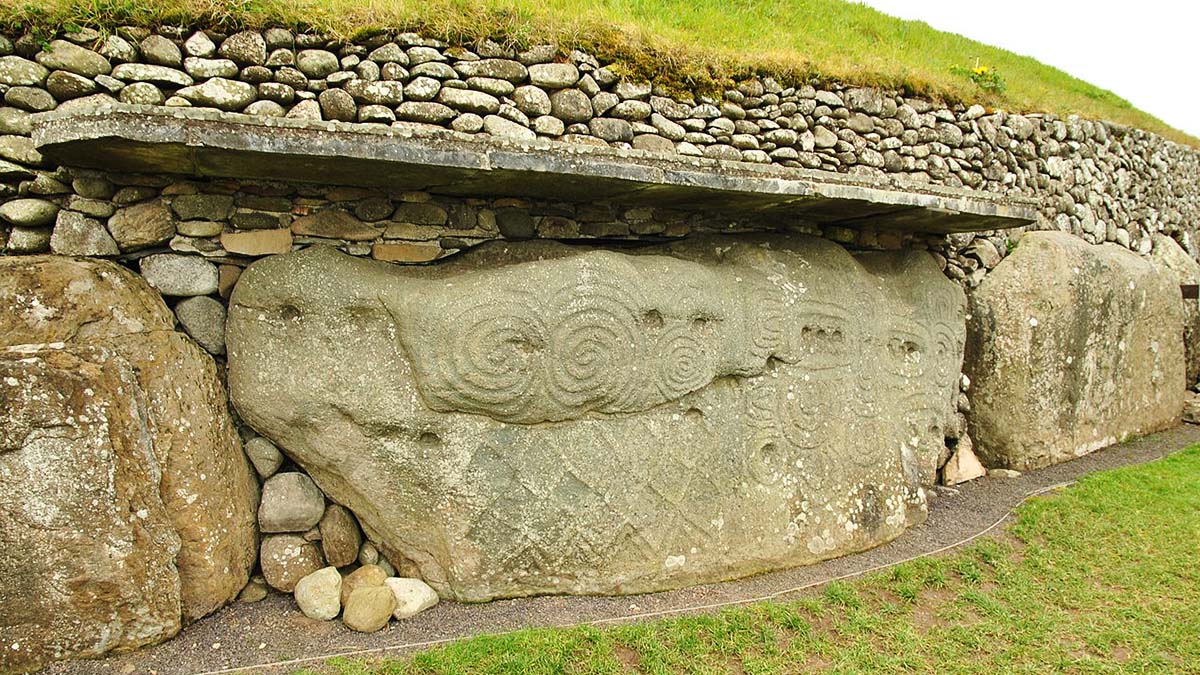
283, 640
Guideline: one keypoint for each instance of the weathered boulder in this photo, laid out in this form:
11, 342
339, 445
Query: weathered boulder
88, 561
1191, 408
413, 596
207, 484
319, 594
369, 608
285, 559
265, 457
529, 418
290, 503
340, 536
1071, 347
141, 226
363, 577
170, 399
1170, 256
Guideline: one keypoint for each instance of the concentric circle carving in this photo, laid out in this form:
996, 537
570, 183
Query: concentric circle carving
495, 357
682, 362
597, 346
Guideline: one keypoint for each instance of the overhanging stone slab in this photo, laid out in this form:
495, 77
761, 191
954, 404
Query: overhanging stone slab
416, 157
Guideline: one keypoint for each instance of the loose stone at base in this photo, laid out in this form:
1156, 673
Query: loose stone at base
319, 594
363, 577
369, 608
412, 596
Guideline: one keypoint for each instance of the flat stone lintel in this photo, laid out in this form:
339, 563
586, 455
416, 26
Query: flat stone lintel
208, 143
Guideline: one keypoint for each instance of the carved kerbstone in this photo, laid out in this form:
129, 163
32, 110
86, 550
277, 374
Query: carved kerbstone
536, 418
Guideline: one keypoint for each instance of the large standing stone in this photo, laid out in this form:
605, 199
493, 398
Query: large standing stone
161, 406
87, 564
1072, 347
529, 418
1170, 256
207, 485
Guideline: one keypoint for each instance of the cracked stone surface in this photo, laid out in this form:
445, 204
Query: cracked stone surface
126, 504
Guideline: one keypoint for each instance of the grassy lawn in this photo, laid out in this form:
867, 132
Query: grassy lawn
1102, 577
689, 44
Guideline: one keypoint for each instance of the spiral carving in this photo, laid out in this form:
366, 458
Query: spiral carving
946, 349
766, 317
800, 413
683, 364
494, 361
596, 346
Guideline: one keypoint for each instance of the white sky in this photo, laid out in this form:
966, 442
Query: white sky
1147, 52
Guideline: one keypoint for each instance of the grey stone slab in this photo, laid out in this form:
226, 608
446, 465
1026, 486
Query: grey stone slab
208, 143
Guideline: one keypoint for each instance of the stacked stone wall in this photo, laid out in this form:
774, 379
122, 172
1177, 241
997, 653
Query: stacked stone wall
1100, 181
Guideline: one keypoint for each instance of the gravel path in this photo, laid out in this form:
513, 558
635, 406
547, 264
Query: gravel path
272, 636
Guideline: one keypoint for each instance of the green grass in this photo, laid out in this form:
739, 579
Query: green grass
687, 43
1103, 577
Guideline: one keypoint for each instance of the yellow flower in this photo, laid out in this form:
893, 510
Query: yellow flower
981, 70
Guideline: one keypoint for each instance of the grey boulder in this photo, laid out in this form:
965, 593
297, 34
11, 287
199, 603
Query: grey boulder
1072, 347
63, 55
641, 421
290, 503
1170, 257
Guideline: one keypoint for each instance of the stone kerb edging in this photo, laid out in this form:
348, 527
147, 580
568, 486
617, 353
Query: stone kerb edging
209, 143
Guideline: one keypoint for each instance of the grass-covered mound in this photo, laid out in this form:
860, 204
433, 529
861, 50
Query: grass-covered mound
694, 45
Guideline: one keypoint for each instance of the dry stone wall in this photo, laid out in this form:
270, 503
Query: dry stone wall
190, 239
1100, 181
